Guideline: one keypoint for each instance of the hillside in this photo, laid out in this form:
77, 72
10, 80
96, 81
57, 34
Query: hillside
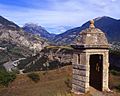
52, 83
55, 57
110, 26
8, 24
51, 57
15, 43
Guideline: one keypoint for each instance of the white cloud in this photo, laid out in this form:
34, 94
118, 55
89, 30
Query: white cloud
62, 12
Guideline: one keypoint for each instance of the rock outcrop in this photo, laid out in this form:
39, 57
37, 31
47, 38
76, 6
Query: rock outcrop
15, 35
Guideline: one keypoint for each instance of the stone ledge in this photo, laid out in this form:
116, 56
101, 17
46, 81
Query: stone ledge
80, 66
80, 72
81, 78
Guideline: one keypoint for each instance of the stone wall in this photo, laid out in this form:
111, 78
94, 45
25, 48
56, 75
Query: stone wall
81, 70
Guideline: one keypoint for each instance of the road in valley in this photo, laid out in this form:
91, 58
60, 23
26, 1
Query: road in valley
11, 64
8, 65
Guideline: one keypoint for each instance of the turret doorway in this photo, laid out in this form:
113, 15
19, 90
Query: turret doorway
96, 69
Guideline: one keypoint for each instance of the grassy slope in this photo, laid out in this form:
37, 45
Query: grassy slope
50, 84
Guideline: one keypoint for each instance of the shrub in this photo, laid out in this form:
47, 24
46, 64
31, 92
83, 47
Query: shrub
34, 77
6, 77
16, 71
2, 67
38, 66
114, 72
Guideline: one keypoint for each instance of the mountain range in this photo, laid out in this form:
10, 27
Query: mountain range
31, 34
110, 26
16, 43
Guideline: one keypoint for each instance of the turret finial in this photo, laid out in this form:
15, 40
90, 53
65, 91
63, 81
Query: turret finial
92, 24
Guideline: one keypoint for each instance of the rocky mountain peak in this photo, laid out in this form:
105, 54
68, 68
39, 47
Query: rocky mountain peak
15, 35
33, 25
39, 30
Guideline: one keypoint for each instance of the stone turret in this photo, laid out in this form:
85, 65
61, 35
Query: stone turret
90, 60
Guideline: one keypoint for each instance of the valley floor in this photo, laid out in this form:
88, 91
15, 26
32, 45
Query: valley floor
52, 83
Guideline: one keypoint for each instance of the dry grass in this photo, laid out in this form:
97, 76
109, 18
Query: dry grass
114, 80
57, 47
50, 84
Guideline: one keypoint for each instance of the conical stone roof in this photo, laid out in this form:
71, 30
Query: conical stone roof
91, 38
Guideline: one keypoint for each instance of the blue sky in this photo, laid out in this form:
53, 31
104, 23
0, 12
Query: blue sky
58, 16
